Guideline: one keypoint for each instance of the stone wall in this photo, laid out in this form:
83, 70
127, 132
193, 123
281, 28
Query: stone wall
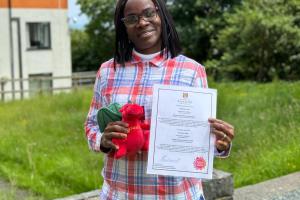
220, 187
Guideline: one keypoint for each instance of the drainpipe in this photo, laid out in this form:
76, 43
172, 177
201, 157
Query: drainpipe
17, 20
11, 50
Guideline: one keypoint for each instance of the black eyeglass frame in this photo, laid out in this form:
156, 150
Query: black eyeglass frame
142, 15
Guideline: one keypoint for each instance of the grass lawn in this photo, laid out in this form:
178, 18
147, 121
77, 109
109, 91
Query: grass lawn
43, 146
267, 128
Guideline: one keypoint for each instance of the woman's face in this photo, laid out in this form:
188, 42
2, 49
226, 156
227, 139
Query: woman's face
146, 33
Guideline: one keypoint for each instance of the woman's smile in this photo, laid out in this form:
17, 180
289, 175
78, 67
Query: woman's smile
145, 34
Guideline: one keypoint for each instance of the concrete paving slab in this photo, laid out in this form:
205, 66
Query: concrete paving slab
282, 188
93, 195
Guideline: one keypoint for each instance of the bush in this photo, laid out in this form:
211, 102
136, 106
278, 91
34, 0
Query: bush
84, 57
261, 42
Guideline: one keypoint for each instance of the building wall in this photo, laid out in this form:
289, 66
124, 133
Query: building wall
4, 45
55, 61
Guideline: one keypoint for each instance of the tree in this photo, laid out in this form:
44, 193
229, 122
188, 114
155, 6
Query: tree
198, 22
100, 29
83, 55
261, 41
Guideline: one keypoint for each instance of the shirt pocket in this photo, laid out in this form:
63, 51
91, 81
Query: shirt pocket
183, 80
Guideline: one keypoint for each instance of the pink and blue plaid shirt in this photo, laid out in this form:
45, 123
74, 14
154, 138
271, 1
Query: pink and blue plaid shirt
126, 178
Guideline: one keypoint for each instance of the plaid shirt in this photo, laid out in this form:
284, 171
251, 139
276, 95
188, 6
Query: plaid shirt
126, 178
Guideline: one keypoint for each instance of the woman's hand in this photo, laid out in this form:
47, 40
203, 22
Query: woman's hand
116, 130
224, 133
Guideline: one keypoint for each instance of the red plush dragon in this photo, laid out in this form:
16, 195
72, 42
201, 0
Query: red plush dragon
138, 134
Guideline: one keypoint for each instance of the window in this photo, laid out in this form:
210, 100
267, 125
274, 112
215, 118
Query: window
38, 35
40, 84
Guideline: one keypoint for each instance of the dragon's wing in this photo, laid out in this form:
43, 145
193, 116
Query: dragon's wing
108, 114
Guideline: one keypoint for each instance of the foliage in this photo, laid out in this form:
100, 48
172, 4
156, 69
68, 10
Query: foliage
100, 29
198, 22
83, 54
261, 42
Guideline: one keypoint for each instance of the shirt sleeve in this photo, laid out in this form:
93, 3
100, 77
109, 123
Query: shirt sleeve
223, 154
201, 81
92, 130
200, 77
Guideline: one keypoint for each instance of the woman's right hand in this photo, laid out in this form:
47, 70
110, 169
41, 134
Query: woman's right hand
116, 130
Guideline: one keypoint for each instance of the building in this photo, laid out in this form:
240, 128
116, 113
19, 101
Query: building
34, 42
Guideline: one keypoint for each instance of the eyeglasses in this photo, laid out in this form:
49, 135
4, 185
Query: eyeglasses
147, 15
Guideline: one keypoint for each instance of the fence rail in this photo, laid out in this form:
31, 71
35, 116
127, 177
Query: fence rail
77, 80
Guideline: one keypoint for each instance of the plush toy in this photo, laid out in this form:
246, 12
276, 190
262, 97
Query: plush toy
139, 132
108, 114
146, 130
138, 135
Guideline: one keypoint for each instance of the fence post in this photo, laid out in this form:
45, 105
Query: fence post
40, 89
3, 81
75, 80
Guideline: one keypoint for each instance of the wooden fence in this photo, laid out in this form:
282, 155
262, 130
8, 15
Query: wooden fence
78, 80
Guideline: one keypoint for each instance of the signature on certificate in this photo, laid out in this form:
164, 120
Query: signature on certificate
165, 158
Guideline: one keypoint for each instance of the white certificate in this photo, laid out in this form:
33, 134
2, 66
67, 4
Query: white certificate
180, 139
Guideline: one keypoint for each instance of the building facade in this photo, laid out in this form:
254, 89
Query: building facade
34, 42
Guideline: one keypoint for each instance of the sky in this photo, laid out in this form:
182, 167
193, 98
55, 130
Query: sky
76, 20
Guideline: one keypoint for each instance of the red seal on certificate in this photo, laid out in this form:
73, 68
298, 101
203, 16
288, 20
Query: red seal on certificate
199, 163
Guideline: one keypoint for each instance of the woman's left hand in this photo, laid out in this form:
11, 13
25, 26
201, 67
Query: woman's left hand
224, 133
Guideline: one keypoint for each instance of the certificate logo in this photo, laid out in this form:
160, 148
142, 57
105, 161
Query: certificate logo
185, 95
184, 98
199, 163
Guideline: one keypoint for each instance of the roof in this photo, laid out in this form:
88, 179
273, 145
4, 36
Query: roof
50, 4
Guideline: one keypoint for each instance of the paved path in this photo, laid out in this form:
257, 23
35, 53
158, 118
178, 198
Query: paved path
282, 188
10, 192
93, 195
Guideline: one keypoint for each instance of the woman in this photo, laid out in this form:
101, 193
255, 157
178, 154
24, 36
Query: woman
146, 53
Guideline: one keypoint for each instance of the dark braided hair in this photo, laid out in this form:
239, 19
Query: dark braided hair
169, 35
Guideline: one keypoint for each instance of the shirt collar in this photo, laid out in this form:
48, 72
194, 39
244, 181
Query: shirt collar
156, 61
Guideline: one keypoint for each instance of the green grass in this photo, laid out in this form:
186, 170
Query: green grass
43, 146
267, 127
